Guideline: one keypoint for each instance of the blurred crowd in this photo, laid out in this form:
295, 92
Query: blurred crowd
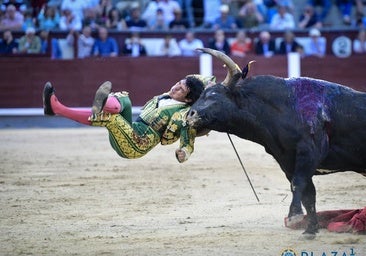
83, 18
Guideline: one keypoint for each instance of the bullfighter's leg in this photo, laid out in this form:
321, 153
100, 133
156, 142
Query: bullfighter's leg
52, 106
308, 200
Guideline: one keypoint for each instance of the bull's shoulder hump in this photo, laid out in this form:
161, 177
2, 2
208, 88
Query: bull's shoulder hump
264, 81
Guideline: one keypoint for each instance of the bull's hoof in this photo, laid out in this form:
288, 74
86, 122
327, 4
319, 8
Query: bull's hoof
309, 236
296, 222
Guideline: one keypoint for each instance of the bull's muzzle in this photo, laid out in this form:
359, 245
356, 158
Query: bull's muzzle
192, 117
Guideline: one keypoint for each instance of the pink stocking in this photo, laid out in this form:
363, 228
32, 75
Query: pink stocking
78, 115
112, 105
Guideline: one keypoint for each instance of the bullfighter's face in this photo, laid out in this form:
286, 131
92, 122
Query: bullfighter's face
179, 91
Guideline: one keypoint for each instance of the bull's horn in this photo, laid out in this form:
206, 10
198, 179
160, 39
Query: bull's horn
233, 69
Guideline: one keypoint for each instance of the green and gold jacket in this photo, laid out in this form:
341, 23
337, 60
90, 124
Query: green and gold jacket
169, 122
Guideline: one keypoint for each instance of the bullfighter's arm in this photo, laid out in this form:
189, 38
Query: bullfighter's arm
178, 128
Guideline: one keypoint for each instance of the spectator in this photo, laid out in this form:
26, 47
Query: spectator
265, 45
115, 20
225, 20
103, 10
30, 43
133, 46
324, 5
69, 21
282, 20
168, 7
309, 18
249, 16
92, 19
43, 35
48, 18
134, 21
8, 45
219, 42
19, 5
211, 9
12, 20
359, 44
189, 44
317, 45
158, 22
105, 46
149, 14
77, 7
85, 41
178, 23
169, 47
270, 9
289, 44
241, 45
28, 21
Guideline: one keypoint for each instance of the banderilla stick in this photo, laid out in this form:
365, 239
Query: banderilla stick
242, 166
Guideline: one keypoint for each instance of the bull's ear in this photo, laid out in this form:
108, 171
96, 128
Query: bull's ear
246, 69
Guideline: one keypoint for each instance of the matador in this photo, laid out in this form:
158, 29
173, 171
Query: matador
162, 119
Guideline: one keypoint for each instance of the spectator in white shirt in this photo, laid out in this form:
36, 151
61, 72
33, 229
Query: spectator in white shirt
85, 41
189, 44
169, 47
282, 20
69, 21
76, 6
317, 44
168, 7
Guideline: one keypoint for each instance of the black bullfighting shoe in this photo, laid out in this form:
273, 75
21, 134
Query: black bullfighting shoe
48, 91
101, 96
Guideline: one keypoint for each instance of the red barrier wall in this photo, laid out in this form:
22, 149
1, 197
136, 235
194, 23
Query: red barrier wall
23, 78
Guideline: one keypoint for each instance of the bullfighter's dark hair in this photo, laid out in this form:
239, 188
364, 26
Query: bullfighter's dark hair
196, 87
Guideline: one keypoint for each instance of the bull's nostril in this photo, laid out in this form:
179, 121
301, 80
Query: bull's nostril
192, 112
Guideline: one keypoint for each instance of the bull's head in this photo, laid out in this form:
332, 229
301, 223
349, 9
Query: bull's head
207, 112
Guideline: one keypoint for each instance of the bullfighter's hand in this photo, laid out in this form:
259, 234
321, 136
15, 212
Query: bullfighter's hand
181, 155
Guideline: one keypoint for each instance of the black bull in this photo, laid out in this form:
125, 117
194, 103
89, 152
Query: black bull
309, 126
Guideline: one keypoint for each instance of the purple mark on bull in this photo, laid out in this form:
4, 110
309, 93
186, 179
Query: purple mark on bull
311, 101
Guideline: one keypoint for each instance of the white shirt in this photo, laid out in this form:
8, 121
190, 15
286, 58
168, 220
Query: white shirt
172, 50
168, 102
189, 48
74, 25
85, 45
168, 8
282, 22
76, 7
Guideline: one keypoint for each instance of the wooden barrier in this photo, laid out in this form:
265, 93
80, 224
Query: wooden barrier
23, 78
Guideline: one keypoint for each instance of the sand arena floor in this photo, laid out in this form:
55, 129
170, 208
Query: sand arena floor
65, 192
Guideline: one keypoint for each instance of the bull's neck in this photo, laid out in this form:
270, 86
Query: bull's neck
244, 124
